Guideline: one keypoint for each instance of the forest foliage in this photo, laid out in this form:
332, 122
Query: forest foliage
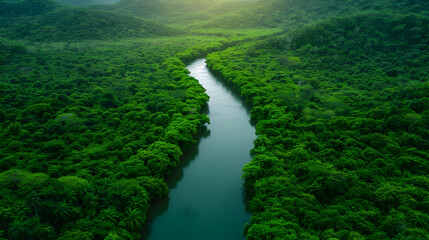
89, 133
342, 111
97, 108
45, 20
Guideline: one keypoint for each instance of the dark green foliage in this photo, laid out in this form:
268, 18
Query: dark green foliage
48, 22
9, 8
77, 24
343, 137
89, 129
88, 140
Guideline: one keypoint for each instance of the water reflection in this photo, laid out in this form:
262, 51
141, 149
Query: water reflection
207, 200
235, 92
188, 157
158, 207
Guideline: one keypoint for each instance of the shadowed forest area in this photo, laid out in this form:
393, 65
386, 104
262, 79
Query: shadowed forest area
97, 108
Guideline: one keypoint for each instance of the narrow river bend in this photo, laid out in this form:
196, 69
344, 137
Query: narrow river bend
206, 193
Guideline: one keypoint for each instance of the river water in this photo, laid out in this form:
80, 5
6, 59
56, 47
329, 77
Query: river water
206, 198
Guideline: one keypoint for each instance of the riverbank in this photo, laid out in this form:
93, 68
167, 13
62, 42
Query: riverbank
208, 202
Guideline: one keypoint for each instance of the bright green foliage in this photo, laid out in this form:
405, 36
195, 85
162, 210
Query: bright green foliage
89, 129
342, 122
160, 157
87, 137
135, 220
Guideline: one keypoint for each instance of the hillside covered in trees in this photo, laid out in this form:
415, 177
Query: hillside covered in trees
342, 124
97, 109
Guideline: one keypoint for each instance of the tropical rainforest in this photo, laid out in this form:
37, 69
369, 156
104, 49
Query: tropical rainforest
97, 109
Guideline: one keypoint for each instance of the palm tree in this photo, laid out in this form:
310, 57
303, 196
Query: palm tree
135, 220
89, 201
110, 214
88, 188
137, 202
33, 199
18, 228
262, 141
71, 196
1, 234
62, 210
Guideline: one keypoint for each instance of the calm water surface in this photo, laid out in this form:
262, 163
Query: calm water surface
206, 193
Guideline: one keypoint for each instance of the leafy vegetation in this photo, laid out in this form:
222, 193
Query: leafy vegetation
342, 122
97, 108
43, 21
88, 145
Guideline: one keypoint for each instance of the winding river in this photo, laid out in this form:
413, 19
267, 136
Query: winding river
206, 199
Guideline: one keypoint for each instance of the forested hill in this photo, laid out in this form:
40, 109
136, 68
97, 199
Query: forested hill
97, 109
87, 2
291, 14
44, 20
13, 9
143, 8
122, 19
342, 147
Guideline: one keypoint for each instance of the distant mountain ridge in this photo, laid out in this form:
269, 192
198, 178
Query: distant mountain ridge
45, 20
26, 7
87, 2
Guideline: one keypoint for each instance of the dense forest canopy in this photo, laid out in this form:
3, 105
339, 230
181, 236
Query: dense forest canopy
343, 142
97, 109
